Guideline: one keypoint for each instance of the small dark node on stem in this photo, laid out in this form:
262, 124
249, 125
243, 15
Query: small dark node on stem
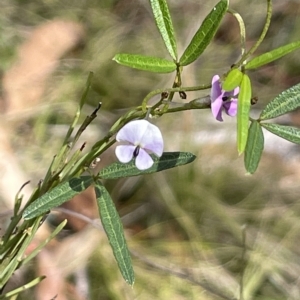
254, 100
83, 146
182, 95
164, 95
94, 113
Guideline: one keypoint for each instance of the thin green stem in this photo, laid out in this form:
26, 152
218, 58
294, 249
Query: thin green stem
243, 258
169, 90
261, 38
88, 120
176, 84
199, 103
23, 288
242, 30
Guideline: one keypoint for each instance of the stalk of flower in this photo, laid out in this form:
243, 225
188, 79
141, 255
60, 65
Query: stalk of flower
222, 100
139, 138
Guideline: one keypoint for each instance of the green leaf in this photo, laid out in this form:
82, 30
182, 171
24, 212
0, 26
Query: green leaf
272, 55
232, 80
114, 230
164, 23
254, 147
14, 293
289, 133
204, 34
19, 290
58, 195
145, 63
285, 102
86, 91
166, 161
36, 250
244, 103
17, 249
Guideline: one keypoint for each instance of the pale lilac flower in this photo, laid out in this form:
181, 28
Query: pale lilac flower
222, 100
139, 138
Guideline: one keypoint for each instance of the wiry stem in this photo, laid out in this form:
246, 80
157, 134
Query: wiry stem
261, 38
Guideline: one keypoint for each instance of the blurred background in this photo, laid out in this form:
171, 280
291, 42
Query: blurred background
202, 231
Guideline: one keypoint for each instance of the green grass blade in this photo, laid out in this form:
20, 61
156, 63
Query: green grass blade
272, 55
164, 23
166, 161
32, 283
88, 84
254, 147
204, 34
11, 263
56, 231
145, 63
289, 133
285, 102
114, 230
58, 195
244, 103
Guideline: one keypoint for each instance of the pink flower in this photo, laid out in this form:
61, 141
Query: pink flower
222, 100
139, 138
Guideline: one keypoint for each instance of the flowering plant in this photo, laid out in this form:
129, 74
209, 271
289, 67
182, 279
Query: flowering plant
140, 143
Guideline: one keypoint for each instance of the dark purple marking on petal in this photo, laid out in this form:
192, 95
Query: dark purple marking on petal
136, 151
225, 98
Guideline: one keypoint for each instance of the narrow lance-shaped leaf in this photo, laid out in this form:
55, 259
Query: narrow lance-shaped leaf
36, 250
244, 103
232, 80
166, 161
289, 133
145, 63
254, 147
271, 56
164, 23
114, 230
57, 196
86, 91
204, 34
15, 293
285, 102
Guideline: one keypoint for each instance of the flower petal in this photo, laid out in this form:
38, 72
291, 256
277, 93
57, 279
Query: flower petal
143, 161
216, 98
152, 140
236, 91
216, 108
132, 132
216, 90
231, 107
219, 115
124, 153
